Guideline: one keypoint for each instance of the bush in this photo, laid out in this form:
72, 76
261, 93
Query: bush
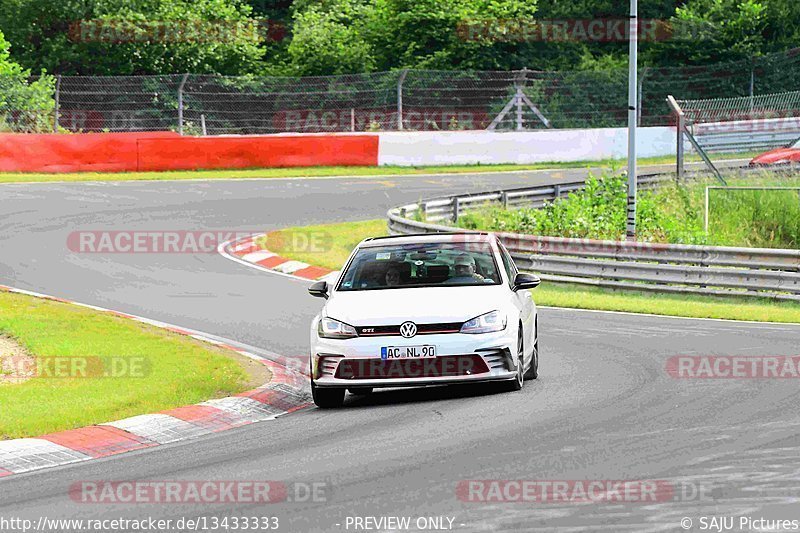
25, 105
673, 213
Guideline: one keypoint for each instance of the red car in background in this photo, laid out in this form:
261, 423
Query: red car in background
789, 155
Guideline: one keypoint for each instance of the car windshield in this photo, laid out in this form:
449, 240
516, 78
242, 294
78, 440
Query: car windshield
441, 264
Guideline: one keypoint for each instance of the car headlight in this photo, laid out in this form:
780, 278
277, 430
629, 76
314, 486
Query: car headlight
487, 323
333, 329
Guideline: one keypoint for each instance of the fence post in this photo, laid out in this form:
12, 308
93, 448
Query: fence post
680, 126
57, 103
203, 124
400, 81
639, 97
180, 103
521, 78
752, 86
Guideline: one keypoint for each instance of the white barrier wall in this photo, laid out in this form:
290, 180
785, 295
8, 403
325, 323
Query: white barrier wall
489, 147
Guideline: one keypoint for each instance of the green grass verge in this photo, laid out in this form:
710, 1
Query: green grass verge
339, 240
307, 172
177, 370
728, 307
672, 213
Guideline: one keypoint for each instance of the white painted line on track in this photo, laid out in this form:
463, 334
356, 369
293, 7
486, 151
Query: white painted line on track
591, 165
730, 321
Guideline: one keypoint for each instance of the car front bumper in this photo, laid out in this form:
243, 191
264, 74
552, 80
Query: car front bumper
460, 358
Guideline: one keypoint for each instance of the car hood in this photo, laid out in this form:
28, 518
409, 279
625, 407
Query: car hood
792, 154
421, 305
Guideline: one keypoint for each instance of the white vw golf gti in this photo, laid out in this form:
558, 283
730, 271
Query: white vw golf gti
424, 310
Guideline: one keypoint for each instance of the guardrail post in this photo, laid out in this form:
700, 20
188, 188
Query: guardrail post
455, 209
556, 192
504, 199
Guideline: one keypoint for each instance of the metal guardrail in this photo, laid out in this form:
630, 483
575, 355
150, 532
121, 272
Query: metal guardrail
742, 124
746, 141
675, 268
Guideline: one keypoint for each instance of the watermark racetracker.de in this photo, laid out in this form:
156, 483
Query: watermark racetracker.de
118, 31
733, 367
18, 368
608, 29
579, 491
191, 241
161, 492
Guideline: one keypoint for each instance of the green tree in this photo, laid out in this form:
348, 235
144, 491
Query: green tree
709, 31
447, 34
334, 36
25, 105
133, 36
327, 39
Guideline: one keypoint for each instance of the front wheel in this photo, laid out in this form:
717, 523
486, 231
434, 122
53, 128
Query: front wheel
327, 398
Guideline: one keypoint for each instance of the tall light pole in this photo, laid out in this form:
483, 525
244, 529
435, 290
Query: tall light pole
633, 39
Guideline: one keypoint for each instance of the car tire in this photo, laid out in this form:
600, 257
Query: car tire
360, 391
326, 398
516, 383
533, 371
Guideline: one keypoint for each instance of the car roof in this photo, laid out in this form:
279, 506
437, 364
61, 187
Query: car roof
421, 238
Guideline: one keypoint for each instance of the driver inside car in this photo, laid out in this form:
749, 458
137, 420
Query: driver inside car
465, 271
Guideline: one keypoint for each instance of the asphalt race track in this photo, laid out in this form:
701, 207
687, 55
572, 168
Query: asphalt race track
604, 407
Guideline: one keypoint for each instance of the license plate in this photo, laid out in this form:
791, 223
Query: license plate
408, 352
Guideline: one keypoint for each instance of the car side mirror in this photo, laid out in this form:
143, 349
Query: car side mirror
319, 289
525, 281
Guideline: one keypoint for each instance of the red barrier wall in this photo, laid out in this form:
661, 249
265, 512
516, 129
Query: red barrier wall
190, 153
85, 152
153, 151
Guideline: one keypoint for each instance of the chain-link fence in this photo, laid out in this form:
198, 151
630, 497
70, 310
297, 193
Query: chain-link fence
747, 108
406, 99
745, 126
742, 124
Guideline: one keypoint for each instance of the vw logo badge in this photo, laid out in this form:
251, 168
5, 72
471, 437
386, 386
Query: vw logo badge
408, 329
